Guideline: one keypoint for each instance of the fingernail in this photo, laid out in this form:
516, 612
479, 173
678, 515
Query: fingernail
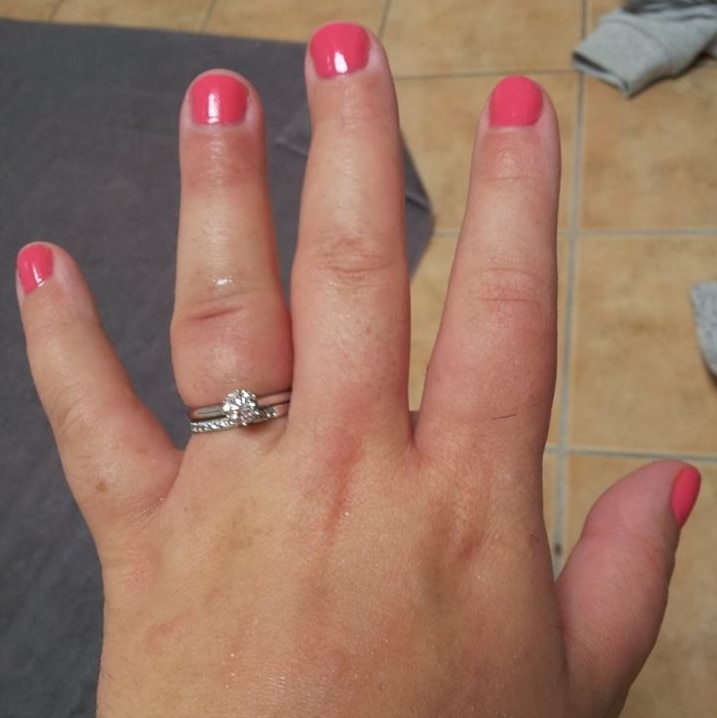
34, 266
219, 99
685, 490
339, 49
516, 102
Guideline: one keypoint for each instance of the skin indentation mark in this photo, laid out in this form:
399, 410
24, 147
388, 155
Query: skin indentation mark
507, 416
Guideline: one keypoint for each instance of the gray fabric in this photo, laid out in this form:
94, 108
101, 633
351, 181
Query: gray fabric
632, 50
659, 5
704, 304
88, 160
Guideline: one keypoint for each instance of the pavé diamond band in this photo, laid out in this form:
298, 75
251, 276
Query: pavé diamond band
239, 408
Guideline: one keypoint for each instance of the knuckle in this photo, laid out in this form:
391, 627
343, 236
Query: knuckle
509, 163
72, 412
221, 170
514, 296
235, 301
356, 111
353, 259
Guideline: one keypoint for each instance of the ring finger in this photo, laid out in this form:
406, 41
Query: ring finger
231, 326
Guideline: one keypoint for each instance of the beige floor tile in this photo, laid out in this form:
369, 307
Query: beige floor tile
647, 161
428, 291
169, 14
427, 37
550, 492
439, 118
637, 378
678, 678
289, 19
563, 260
596, 9
27, 9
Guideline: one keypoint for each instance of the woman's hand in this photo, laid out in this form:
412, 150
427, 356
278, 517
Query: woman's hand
344, 560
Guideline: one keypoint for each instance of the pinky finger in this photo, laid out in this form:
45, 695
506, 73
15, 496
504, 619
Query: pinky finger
118, 459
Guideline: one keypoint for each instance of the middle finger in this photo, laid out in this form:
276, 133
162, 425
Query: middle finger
350, 302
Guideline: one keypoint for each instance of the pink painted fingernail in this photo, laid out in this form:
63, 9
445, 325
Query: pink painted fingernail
219, 99
685, 490
34, 266
516, 102
339, 49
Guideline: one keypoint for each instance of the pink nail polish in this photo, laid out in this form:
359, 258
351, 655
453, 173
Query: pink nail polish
685, 490
34, 266
219, 99
516, 102
339, 49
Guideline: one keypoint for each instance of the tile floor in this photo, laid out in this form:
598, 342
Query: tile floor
638, 227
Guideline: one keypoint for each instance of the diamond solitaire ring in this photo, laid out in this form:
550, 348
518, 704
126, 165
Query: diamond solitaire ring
239, 408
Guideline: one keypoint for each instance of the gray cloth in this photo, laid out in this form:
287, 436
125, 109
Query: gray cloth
704, 304
660, 5
634, 48
88, 159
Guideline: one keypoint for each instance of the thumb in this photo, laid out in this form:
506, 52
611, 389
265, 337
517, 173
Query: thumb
118, 459
612, 592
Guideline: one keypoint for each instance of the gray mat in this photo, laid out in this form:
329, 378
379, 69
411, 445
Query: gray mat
88, 160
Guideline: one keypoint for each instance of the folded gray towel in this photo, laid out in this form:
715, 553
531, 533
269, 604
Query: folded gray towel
660, 5
632, 50
704, 303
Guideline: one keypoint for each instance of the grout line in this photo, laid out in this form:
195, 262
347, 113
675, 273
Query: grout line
483, 73
621, 233
584, 20
55, 10
561, 499
207, 14
384, 19
649, 455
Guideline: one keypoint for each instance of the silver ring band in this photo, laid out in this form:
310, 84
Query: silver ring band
239, 408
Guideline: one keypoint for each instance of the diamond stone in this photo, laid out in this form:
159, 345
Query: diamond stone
241, 406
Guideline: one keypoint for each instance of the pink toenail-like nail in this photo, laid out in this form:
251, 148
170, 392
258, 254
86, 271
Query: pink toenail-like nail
34, 266
516, 102
219, 99
685, 490
339, 49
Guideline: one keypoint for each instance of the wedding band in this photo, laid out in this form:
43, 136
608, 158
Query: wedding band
239, 408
